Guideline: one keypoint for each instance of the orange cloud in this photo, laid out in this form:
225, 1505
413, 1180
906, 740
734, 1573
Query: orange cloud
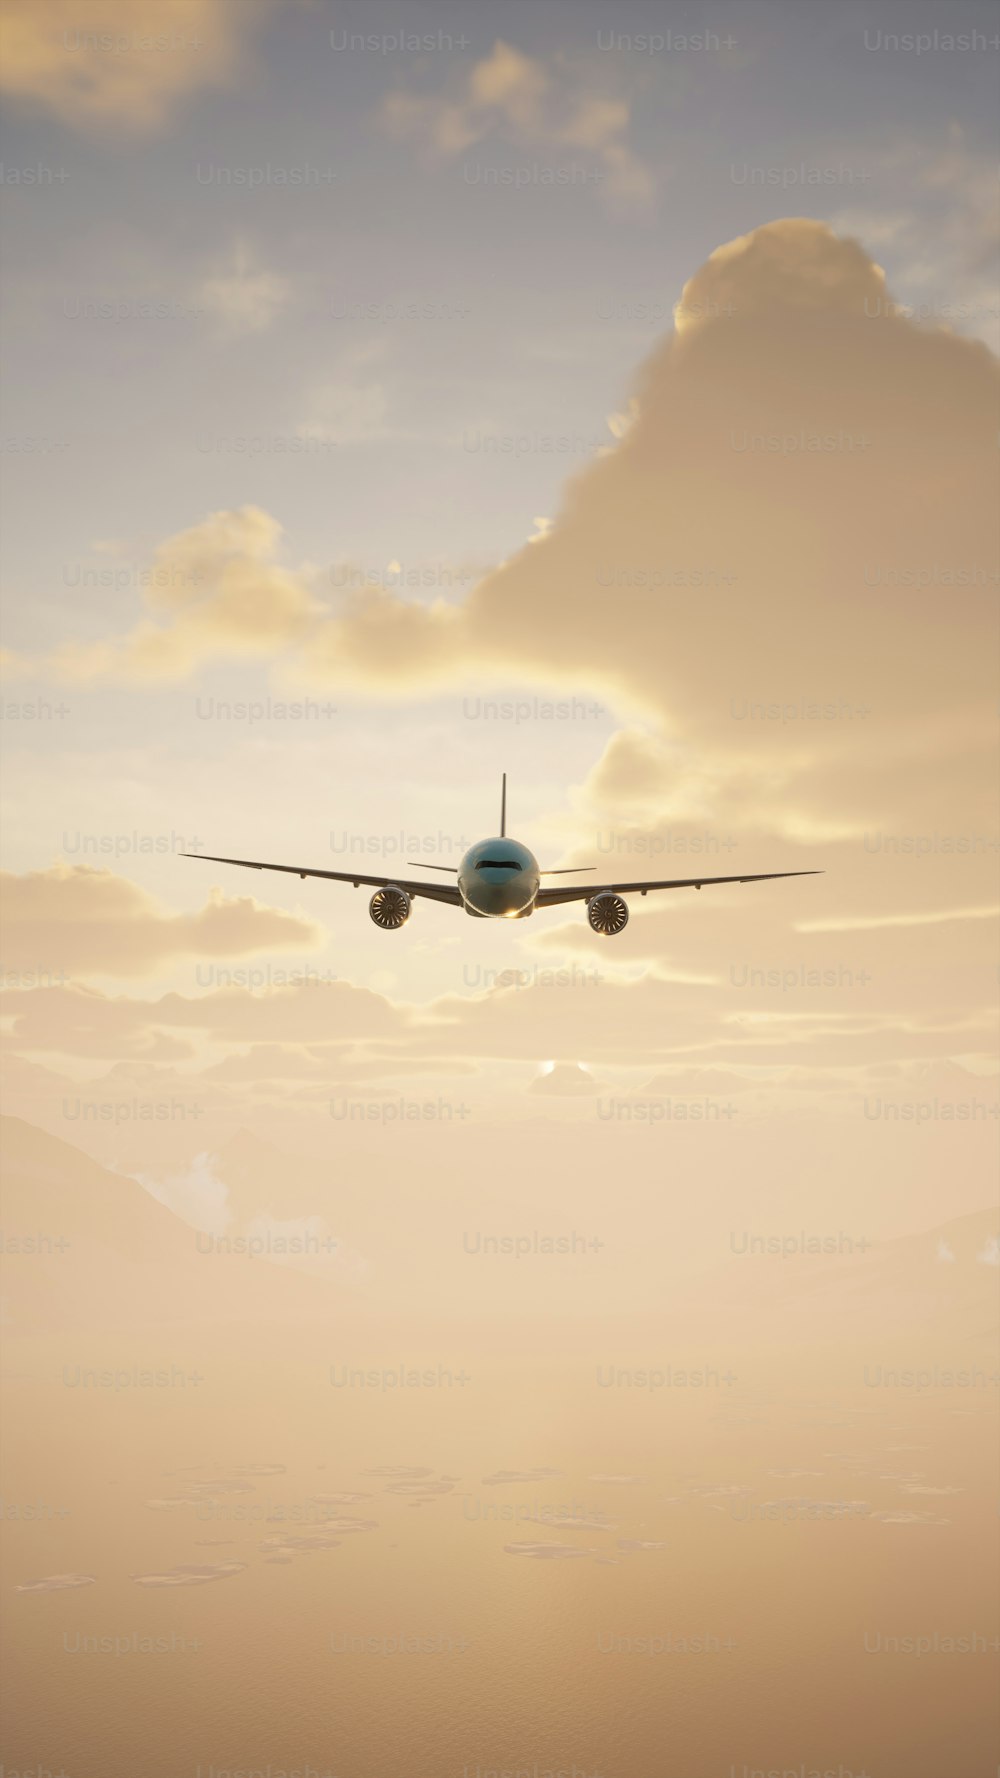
218, 592
533, 105
124, 63
701, 571
73, 920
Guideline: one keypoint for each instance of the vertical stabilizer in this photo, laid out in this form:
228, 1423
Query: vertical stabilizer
503, 807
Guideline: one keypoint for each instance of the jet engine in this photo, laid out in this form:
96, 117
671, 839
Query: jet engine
390, 908
607, 913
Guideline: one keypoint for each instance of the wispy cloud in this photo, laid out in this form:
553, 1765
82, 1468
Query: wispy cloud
532, 104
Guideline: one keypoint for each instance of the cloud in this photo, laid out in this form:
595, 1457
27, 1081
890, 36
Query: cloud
701, 572
313, 1030
878, 922
798, 641
563, 1080
940, 225
351, 405
799, 670
199, 1196
705, 563
75, 1019
121, 63
195, 1194
14, 666
54, 1583
533, 105
546, 1552
244, 298
73, 920
219, 592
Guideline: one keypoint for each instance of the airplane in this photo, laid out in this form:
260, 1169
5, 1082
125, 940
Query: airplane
499, 879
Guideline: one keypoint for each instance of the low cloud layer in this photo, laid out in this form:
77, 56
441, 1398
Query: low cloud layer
71, 920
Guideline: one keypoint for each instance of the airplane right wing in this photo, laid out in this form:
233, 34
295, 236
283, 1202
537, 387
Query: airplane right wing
547, 898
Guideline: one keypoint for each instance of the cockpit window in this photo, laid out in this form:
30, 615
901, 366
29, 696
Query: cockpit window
497, 864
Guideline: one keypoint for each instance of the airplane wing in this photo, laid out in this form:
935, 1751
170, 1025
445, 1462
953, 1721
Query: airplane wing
432, 891
584, 891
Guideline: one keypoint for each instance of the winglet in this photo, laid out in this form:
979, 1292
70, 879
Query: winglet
503, 807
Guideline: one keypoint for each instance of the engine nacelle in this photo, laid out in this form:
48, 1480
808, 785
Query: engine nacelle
390, 908
607, 913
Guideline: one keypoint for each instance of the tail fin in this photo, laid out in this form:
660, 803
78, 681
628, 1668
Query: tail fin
503, 807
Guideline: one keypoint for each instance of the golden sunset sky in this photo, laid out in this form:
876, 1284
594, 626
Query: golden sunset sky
401, 395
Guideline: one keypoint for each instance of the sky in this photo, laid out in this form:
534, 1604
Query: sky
315, 485
397, 397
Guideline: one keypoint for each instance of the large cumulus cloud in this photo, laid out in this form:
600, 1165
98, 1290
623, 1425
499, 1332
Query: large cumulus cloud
802, 514
797, 463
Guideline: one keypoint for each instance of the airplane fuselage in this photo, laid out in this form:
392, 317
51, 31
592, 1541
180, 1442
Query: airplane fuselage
498, 880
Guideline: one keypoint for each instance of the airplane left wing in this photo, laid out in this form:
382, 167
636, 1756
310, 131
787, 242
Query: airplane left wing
584, 891
431, 891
